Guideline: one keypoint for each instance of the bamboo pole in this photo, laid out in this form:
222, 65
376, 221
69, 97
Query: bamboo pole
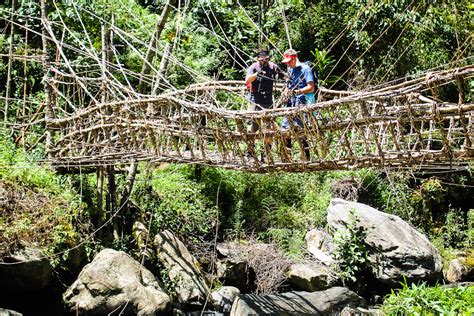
10, 60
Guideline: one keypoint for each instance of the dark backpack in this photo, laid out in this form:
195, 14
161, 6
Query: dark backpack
264, 84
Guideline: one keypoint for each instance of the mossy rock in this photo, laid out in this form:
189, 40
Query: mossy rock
468, 261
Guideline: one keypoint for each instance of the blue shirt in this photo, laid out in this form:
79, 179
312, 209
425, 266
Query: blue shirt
298, 78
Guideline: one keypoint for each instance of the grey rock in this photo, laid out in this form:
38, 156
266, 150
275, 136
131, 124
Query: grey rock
235, 250
227, 249
297, 303
183, 269
114, 281
224, 297
320, 244
243, 265
312, 276
27, 269
395, 248
232, 271
358, 311
459, 271
204, 313
9, 312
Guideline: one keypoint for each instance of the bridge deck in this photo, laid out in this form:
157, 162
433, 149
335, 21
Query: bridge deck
397, 126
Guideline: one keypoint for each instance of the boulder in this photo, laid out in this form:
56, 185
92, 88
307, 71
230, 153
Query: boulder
232, 268
358, 311
395, 248
27, 269
459, 271
183, 269
232, 271
236, 250
114, 281
224, 297
232, 260
320, 244
327, 302
312, 276
228, 249
249, 266
9, 312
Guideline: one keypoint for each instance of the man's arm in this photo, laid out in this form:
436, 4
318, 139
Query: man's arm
252, 75
308, 89
309, 78
251, 78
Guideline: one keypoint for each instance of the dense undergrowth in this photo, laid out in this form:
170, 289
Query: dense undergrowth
425, 300
38, 207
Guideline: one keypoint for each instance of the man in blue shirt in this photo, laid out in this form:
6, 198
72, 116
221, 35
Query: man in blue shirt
299, 91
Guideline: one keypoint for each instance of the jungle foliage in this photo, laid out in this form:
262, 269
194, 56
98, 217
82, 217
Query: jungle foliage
351, 44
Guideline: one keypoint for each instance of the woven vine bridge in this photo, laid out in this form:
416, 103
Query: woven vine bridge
400, 125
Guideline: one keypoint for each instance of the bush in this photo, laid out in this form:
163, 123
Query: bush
391, 193
40, 207
424, 300
256, 202
177, 203
276, 207
291, 242
350, 250
454, 232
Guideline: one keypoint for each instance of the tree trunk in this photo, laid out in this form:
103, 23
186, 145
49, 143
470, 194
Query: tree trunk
48, 91
162, 71
160, 24
100, 196
110, 199
124, 203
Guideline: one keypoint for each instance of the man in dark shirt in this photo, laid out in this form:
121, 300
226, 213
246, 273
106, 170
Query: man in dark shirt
260, 78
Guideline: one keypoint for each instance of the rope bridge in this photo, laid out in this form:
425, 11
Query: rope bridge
400, 125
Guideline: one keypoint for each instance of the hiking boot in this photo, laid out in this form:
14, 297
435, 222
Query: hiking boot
305, 144
250, 157
307, 154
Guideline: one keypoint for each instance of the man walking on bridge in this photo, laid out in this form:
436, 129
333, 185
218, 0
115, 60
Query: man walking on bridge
299, 91
260, 78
